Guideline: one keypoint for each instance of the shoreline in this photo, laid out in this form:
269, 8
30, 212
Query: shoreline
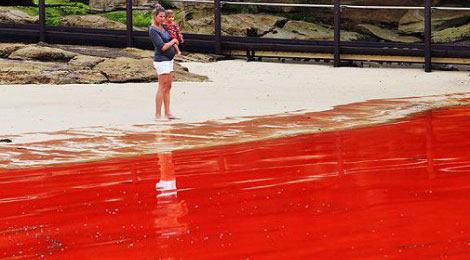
99, 143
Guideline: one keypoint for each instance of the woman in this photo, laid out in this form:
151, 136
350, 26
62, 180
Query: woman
163, 62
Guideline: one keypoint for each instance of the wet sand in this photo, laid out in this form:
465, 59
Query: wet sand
393, 191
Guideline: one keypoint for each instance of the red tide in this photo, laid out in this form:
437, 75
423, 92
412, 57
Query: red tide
399, 190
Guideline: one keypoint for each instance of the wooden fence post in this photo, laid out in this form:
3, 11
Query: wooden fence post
42, 20
130, 32
337, 36
218, 27
427, 35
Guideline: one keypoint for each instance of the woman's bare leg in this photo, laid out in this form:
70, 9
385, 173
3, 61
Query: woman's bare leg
166, 98
161, 93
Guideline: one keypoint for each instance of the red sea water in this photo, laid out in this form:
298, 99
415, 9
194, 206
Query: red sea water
400, 190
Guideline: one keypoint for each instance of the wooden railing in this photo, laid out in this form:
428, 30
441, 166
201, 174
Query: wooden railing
225, 44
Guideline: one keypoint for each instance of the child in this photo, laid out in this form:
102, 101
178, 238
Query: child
174, 29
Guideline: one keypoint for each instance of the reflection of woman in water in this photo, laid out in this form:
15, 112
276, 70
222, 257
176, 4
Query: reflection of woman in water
167, 181
169, 208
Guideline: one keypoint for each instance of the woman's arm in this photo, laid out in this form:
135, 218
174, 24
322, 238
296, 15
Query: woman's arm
167, 45
158, 42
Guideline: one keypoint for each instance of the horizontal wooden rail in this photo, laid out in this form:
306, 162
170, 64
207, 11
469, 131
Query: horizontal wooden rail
337, 50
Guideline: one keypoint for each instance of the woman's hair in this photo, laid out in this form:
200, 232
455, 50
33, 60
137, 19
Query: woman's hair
170, 12
158, 9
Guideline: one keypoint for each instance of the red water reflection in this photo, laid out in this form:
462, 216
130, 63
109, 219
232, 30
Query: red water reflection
400, 191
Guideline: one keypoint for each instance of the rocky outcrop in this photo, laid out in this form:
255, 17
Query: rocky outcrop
313, 31
236, 25
387, 34
138, 52
41, 53
90, 21
413, 20
127, 69
249, 24
453, 34
85, 61
33, 72
37, 64
268, 26
7, 48
14, 16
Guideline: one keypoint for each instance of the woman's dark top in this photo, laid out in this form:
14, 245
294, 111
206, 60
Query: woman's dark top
159, 38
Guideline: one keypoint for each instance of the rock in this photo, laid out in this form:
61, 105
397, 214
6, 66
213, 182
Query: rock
451, 35
280, 33
138, 53
374, 16
7, 65
197, 57
25, 67
236, 24
90, 21
32, 72
249, 24
7, 48
85, 61
125, 69
84, 77
140, 70
203, 25
313, 31
387, 34
182, 74
16, 16
196, 10
42, 53
52, 77
97, 51
413, 20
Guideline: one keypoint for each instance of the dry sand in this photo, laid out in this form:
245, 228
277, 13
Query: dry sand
237, 88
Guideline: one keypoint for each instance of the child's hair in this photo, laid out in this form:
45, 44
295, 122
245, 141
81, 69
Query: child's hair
158, 9
170, 12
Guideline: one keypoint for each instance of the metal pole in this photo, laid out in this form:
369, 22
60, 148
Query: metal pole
130, 33
337, 37
42, 20
218, 27
427, 35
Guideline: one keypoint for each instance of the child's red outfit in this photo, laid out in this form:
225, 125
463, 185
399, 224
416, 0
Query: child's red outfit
175, 32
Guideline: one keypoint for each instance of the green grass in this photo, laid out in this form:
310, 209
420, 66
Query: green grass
59, 8
55, 10
240, 9
139, 18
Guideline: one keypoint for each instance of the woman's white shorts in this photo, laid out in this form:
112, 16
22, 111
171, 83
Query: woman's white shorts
163, 67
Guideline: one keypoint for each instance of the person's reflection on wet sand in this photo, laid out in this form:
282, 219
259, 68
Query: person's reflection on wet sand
169, 208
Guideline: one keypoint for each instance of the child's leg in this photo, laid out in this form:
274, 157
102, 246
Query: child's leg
177, 49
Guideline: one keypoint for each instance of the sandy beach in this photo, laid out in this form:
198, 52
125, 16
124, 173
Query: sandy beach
236, 88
